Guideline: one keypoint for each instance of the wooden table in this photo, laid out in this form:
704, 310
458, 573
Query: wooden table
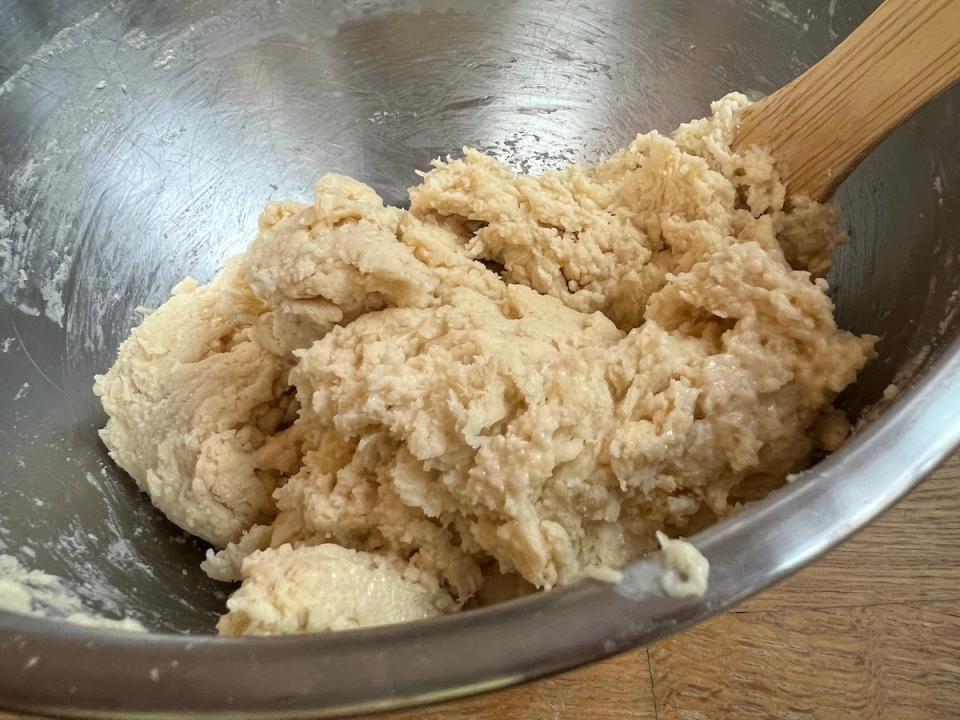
870, 631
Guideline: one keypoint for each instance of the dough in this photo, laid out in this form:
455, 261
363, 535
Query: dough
685, 569
328, 587
373, 411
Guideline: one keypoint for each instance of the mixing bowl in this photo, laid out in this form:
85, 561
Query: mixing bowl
138, 142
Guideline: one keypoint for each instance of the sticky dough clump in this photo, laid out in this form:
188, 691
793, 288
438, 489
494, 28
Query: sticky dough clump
373, 413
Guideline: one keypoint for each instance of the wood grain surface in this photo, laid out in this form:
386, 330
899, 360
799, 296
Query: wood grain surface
872, 630
820, 126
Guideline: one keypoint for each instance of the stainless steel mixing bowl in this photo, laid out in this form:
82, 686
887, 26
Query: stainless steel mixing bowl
139, 140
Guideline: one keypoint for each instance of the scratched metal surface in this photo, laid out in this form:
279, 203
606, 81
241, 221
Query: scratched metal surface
139, 140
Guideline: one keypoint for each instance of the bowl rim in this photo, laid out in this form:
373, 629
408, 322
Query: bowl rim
52, 667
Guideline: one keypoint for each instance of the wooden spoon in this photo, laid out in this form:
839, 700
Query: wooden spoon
821, 125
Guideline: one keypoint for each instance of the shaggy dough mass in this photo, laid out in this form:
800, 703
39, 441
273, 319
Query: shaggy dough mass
373, 412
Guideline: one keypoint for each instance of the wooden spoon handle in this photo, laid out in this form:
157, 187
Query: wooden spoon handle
821, 125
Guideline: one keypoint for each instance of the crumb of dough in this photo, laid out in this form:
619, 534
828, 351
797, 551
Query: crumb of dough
535, 372
890, 392
306, 589
685, 569
832, 429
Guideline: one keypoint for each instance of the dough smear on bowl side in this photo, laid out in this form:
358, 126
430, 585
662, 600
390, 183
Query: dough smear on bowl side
373, 413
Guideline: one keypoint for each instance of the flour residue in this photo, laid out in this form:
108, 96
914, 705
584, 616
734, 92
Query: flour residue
22, 392
13, 276
39, 594
165, 59
137, 39
51, 290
